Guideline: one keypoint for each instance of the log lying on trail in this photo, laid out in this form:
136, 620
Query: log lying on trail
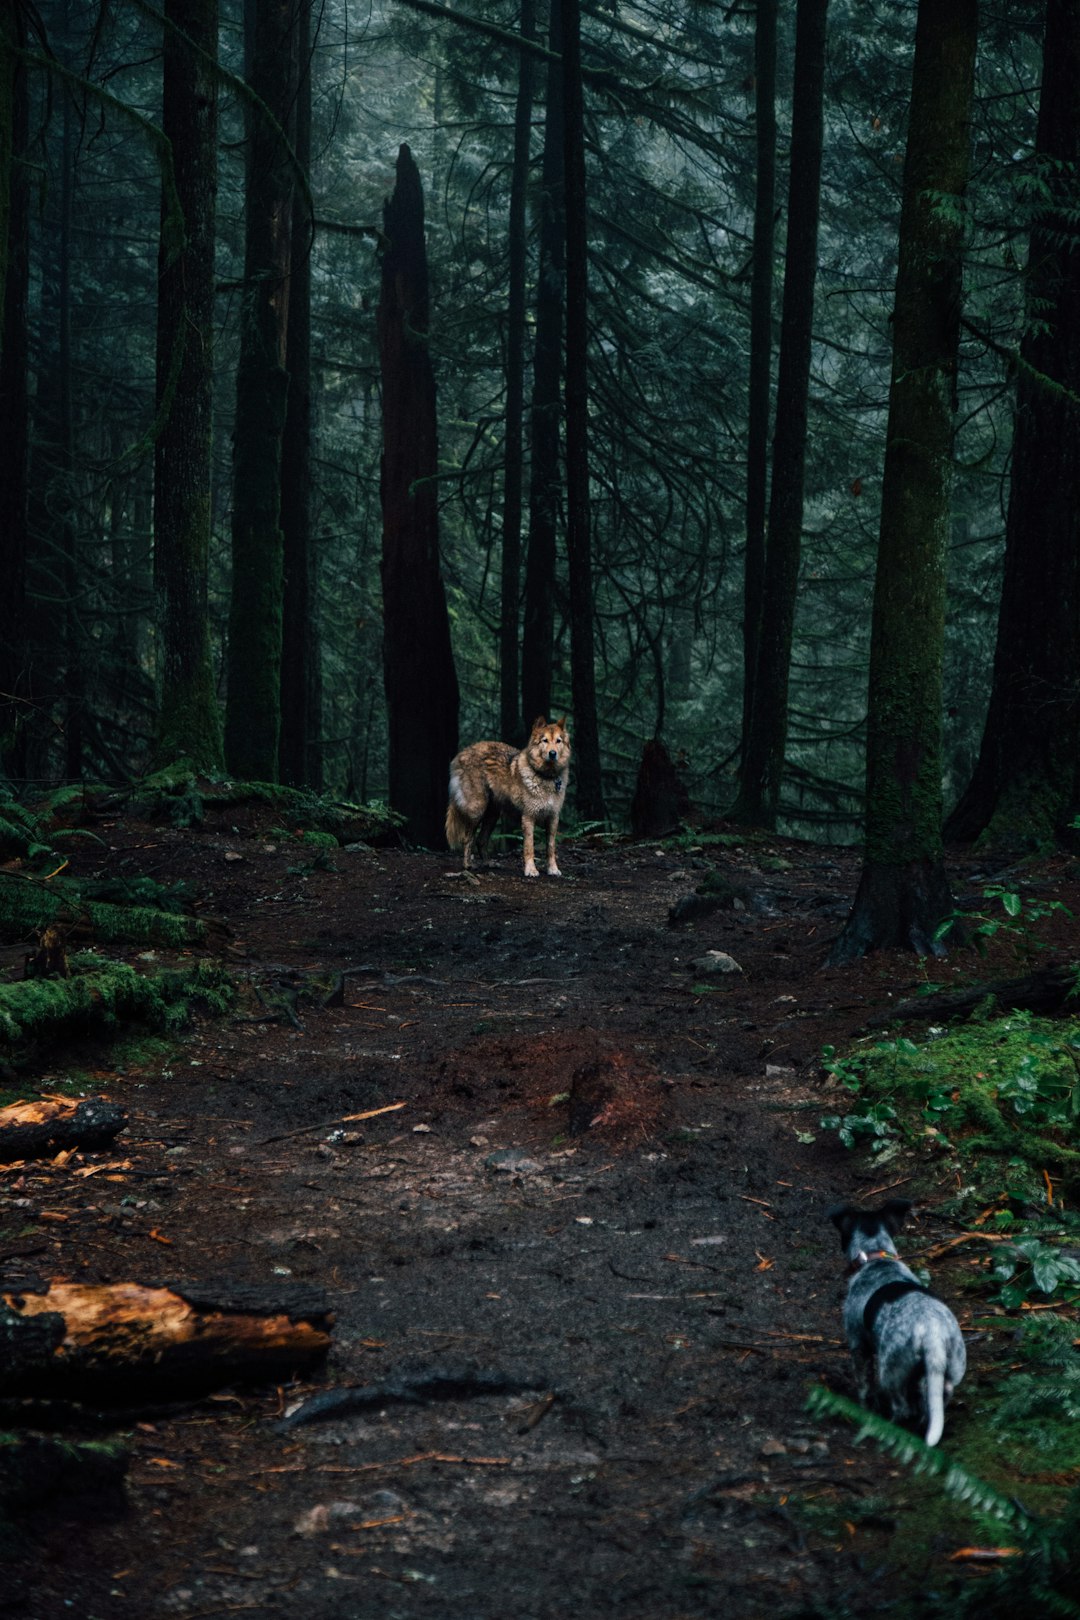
1046, 991
37, 1130
120, 1339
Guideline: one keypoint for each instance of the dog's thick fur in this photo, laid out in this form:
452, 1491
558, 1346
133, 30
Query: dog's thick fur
490, 776
906, 1346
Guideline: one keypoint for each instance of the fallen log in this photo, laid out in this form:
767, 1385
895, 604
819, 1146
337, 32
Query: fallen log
1045, 991
38, 1130
125, 1338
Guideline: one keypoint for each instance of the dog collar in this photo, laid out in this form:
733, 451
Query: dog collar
558, 784
866, 1255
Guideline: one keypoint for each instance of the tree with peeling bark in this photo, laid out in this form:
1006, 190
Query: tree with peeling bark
189, 725
903, 894
1025, 784
418, 663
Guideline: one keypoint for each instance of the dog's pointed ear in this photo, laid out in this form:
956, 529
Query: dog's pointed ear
843, 1217
562, 723
540, 722
894, 1213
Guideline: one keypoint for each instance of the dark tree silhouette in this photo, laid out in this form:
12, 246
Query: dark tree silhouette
903, 892
253, 704
1024, 784
538, 626
761, 344
15, 653
418, 663
189, 725
511, 720
589, 792
298, 755
763, 752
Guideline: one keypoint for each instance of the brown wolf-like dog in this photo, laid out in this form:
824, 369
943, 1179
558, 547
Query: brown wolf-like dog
488, 776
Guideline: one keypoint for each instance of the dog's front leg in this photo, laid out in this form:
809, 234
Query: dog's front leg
528, 851
553, 870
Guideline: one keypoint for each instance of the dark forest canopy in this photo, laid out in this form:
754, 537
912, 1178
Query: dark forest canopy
609, 189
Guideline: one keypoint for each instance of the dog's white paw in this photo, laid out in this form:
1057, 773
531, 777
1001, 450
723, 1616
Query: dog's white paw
530, 869
553, 871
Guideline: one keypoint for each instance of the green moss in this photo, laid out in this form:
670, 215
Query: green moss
104, 996
27, 904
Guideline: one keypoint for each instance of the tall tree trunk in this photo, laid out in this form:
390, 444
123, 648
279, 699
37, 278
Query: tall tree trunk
1024, 784
589, 791
760, 369
253, 705
15, 690
763, 757
418, 662
903, 892
189, 724
510, 717
538, 627
300, 760
72, 678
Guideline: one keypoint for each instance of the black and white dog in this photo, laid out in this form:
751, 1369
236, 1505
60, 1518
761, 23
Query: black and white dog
906, 1346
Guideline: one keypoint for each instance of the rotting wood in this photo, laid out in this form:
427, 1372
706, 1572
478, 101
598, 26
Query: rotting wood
182, 1335
36, 1130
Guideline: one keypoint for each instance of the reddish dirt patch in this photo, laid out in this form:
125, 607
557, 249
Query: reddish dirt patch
602, 1183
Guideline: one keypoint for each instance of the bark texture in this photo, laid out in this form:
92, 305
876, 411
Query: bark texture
1024, 784
903, 892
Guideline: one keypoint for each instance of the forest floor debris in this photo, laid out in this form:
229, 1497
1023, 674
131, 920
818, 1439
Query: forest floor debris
654, 1248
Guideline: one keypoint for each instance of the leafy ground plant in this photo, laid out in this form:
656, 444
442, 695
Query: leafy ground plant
1007, 1084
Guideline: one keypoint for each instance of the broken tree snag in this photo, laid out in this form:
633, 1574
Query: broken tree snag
175, 1337
661, 802
37, 1130
1049, 990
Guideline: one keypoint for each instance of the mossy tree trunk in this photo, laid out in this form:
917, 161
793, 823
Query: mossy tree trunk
1025, 784
418, 662
903, 892
15, 658
189, 723
300, 759
763, 752
589, 792
538, 626
253, 705
511, 728
761, 328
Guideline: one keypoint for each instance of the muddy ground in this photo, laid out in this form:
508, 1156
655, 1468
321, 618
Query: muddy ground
650, 1250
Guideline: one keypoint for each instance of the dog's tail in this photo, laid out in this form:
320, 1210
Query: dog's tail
457, 826
938, 1390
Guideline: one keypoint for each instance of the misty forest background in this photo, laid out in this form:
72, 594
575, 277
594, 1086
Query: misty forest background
376, 376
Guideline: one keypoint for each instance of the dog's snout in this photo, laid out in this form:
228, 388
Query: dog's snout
553, 754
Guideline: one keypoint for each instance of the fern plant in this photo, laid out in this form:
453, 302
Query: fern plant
1045, 1578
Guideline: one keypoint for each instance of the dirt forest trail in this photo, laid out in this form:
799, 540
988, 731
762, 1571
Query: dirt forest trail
507, 1128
